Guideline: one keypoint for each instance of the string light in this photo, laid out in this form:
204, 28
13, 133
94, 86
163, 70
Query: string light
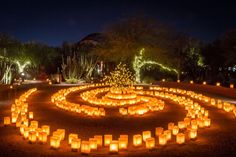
139, 62
120, 78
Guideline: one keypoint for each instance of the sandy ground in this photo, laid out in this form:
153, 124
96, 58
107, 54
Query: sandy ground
217, 141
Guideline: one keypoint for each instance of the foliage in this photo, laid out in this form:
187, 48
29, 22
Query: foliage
28, 57
119, 78
126, 37
77, 67
139, 62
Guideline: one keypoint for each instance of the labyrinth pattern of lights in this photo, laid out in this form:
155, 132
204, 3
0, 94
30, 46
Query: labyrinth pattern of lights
130, 102
196, 118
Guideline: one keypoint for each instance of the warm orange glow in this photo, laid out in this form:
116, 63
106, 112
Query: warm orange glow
137, 140
22, 129
162, 139
107, 140
192, 133
14, 118
7, 120
26, 132
63, 132
55, 142
114, 146
34, 123
32, 136
234, 111
85, 147
31, 115
26, 122
93, 143
46, 128
218, 84
72, 136
207, 122
158, 131
180, 138
42, 136
146, 134
168, 134
181, 124
175, 130
170, 126
99, 140
75, 144
123, 143
231, 86
150, 143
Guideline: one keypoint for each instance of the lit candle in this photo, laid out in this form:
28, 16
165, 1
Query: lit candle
62, 132
26, 132
207, 122
137, 140
55, 142
46, 128
14, 118
162, 139
150, 143
22, 128
181, 124
34, 123
170, 126
75, 144
72, 136
32, 136
192, 133
159, 131
26, 122
146, 134
42, 136
7, 121
85, 147
114, 146
123, 143
99, 140
107, 139
168, 134
93, 143
31, 115
180, 138
175, 130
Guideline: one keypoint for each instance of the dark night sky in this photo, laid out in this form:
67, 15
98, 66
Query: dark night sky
57, 21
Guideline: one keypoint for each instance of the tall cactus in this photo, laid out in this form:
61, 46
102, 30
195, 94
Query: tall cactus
77, 67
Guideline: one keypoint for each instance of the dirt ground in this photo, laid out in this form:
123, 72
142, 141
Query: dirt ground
217, 141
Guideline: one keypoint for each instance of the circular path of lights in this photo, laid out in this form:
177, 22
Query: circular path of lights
185, 130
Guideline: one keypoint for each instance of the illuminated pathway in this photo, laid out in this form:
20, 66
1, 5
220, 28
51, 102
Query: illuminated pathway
218, 140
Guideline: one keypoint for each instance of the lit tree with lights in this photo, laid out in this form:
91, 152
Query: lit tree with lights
139, 62
121, 77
